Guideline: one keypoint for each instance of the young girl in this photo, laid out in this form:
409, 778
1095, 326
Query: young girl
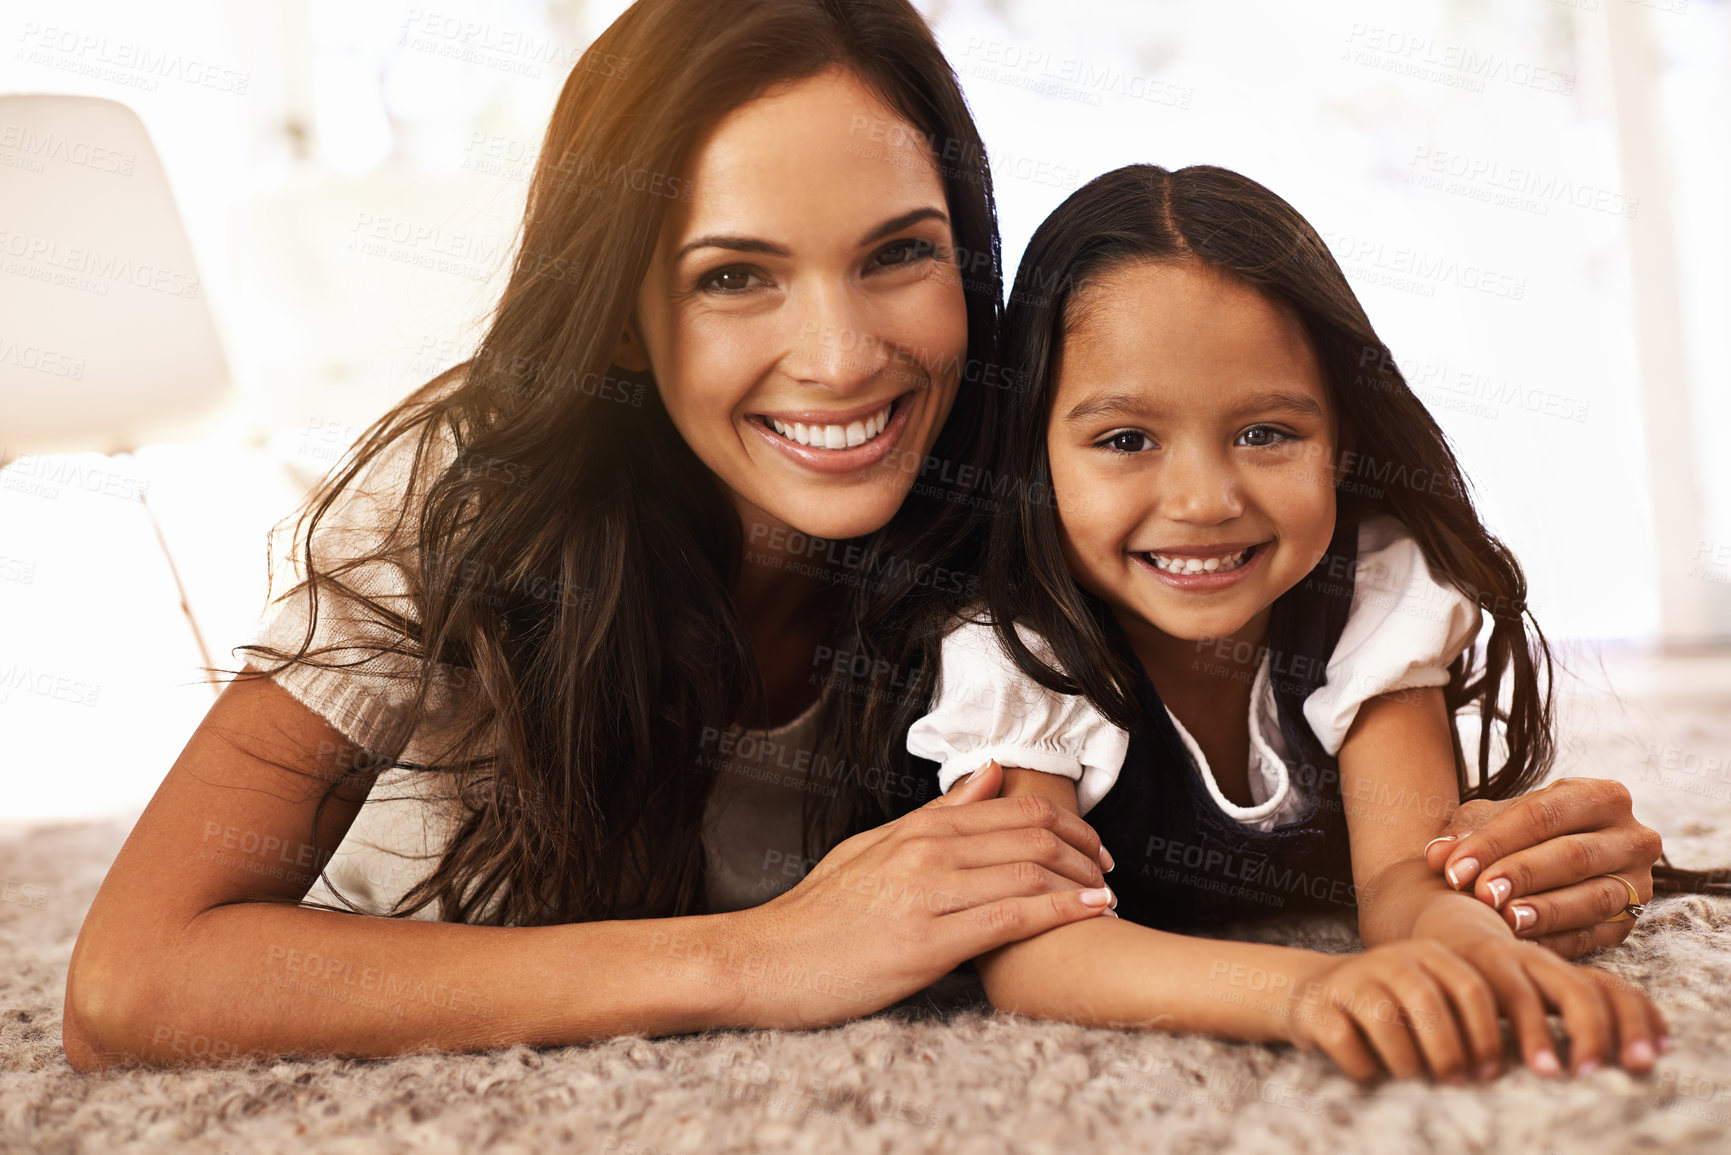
1235, 640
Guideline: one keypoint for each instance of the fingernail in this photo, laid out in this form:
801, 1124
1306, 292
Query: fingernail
1488, 1071
1499, 888
1113, 913
1098, 896
1522, 913
1106, 863
1587, 1067
1434, 841
1461, 872
1641, 1051
1545, 1063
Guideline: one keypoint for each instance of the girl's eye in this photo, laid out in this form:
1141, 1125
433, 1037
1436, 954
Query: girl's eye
903, 252
732, 279
1262, 436
1128, 441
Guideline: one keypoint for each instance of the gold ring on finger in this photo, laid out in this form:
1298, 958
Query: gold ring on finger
1633, 909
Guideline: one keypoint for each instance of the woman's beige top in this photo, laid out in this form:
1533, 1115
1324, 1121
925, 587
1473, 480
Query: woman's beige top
752, 822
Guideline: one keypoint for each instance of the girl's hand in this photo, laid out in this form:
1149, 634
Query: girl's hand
893, 909
1605, 1017
1535, 859
1418, 1003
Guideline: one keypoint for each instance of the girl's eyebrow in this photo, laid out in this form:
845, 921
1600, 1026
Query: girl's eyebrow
1110, 405
1279, 402
1136, 405
757, 245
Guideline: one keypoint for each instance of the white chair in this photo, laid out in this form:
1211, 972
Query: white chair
106, 335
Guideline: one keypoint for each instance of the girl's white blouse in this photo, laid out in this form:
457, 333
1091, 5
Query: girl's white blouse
1404, 629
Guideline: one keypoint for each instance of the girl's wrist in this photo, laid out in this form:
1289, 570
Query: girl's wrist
1456, 918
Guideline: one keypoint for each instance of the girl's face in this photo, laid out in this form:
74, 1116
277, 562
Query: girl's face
803, 314
1192, 444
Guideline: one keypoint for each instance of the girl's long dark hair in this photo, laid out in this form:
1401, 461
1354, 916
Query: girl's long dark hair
572, 569
1400, 464
1400, 461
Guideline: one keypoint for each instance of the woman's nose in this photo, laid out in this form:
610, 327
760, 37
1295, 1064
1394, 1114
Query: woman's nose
835, 346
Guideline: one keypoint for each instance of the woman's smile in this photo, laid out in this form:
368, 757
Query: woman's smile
836, 442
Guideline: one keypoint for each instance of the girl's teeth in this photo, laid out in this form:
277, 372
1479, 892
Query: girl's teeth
835, 436
1190, 565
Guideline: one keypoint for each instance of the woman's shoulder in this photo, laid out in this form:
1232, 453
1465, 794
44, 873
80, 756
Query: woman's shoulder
974, 627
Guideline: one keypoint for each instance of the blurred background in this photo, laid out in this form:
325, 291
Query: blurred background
1528, 195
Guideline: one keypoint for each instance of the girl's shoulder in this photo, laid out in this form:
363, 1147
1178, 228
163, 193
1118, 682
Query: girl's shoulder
1406, 626
1394, 575
1384, 533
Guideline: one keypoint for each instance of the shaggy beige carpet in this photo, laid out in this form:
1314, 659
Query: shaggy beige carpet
940, 1072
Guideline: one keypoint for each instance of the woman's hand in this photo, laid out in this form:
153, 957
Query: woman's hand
1605, 1017
1419, 1004
893, 909
1534, 858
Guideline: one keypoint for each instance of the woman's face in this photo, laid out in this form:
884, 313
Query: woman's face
803, 314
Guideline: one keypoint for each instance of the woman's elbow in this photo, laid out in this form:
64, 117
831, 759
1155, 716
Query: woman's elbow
99, 1007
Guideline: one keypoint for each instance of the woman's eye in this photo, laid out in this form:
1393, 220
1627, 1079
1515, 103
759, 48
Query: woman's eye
1261, 436
729, 280
1127, 442
904, 252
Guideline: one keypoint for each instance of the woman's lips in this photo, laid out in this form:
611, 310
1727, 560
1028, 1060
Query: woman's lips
1203, 581
821, 460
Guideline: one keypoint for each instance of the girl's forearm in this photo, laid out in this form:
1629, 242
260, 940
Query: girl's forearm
275, 979
1402, 900
1108, 972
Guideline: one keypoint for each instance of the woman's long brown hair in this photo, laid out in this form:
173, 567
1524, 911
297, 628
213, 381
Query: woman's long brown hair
1400, 462
582, 597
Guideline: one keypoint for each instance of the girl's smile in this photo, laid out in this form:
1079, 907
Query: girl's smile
1192, 443
1203, 568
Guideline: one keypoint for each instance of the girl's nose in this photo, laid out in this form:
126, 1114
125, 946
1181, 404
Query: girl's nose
1199, 488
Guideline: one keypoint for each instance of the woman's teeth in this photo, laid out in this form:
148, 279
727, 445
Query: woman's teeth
834, 436
1190, 565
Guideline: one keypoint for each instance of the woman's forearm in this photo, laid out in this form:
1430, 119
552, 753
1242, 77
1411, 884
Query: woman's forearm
275, 979
1108, 972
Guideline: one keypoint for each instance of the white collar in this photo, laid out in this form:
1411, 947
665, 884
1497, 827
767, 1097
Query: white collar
1268, 768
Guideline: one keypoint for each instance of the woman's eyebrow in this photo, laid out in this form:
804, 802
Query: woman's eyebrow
897, 224
740, 244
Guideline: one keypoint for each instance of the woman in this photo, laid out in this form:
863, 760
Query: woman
672, 495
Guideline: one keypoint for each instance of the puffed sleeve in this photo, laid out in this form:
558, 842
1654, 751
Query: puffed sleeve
987, 709
1403, 630
369, 696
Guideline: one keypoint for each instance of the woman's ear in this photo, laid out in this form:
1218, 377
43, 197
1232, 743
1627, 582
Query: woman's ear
630, 354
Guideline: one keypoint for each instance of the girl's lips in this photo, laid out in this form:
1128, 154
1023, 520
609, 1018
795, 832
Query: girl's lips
841, 460
1204, 582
